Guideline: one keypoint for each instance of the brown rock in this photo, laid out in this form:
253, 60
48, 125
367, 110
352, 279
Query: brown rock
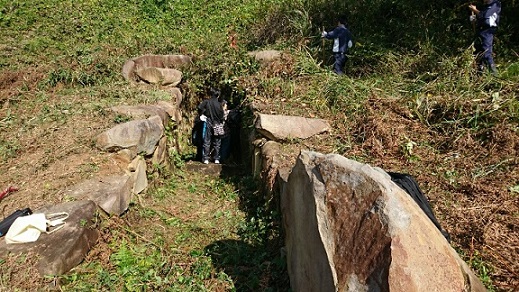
350, 228
65, 248
161, 76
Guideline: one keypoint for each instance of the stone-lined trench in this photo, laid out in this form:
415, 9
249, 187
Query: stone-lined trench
347, 226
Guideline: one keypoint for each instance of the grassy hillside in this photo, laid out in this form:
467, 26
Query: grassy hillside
411, 102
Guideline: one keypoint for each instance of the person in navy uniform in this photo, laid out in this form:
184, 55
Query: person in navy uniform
486, 21
342, 41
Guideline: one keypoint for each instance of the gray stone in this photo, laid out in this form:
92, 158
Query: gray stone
137, 169
256, 156
265, 56
176, 100
63, 249
279, 127
149, 75
350, 228
113, 194
176, 96
125, 155
161, 76
160, 156
271, 159
169, 108
170, 77
162, 61
210, 169
129, 70
130, 67
140, 135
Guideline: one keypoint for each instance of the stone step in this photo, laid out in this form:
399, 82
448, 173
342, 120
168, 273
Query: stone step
214, 169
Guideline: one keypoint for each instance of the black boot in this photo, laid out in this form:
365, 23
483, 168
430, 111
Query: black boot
493, 70
480, 69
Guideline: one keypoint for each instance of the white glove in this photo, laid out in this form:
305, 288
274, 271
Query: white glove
323, 34
203, 118
472, 18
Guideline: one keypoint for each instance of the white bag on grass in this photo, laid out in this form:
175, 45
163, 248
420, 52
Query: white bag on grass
28, 228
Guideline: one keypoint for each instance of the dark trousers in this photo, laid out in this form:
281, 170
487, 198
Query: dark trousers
226, 147
340, 61
197, 137
211, 140
483, 46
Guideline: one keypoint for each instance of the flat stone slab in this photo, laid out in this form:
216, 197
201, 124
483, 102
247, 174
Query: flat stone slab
131, 66
162, 76
162, 61
113, 194
139, 135
279, 127
213, 169
63, 249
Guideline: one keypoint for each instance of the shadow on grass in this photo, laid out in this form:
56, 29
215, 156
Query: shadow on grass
252, 268
255, 262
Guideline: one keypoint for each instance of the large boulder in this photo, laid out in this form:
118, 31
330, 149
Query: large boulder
350, 228
138, 135
63, 249
279, 127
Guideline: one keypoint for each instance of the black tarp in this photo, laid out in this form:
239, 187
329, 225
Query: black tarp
409, 184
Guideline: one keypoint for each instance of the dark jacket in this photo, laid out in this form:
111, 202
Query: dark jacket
212, 109
341, 36
488, 15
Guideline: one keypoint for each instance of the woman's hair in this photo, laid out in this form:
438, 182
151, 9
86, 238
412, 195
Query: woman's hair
342, 19
214, 92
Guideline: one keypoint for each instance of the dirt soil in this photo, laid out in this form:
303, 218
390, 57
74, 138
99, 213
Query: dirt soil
468, 176
467, 180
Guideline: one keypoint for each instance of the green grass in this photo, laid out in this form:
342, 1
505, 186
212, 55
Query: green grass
186, 239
